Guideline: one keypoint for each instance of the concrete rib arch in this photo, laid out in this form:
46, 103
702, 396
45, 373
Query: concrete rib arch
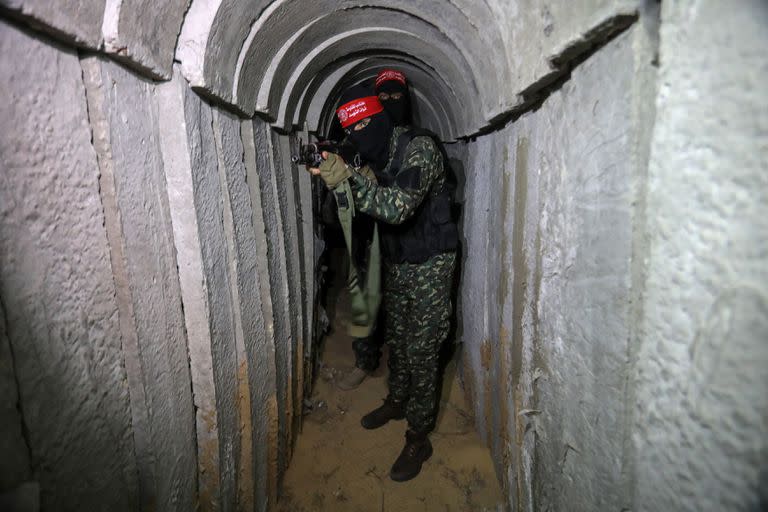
262, 41
361, 40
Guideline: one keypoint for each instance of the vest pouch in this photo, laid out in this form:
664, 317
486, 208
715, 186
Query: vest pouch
440, 209
445, 234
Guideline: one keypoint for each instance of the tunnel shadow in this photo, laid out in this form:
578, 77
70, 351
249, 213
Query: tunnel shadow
451, 347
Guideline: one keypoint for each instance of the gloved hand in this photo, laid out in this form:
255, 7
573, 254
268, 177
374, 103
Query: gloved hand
334, 170
368, 173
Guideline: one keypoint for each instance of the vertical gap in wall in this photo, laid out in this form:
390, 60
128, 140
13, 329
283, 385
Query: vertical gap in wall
244, 474
181, 26
95, 105
19, 407
302, 299
644, 113
539, 363
161, 185
288, 219
266, 448
281, 308
305, 225
520, 271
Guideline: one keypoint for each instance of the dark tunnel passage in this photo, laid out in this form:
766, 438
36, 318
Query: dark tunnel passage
162, 260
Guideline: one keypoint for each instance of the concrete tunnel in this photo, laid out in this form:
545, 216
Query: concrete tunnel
158, 279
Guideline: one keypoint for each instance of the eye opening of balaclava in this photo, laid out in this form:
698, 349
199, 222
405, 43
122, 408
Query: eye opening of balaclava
391, 81
356, 104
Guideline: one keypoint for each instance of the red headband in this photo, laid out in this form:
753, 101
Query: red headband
389, 74
355, 110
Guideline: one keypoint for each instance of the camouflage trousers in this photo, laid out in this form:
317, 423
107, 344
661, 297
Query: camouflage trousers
417, 309
367, 352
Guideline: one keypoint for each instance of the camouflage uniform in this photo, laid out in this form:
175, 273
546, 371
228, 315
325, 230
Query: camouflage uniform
417, 302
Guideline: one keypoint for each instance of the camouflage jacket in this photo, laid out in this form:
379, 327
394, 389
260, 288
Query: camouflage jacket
421, 173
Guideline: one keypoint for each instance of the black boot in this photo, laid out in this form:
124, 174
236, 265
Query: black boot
416, 451
379, 417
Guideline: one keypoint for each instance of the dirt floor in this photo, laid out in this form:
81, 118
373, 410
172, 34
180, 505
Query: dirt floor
338, 465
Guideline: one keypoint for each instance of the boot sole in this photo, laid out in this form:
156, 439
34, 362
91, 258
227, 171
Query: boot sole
409, 476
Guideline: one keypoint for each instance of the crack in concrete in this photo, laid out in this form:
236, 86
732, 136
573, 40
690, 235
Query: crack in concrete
19, 407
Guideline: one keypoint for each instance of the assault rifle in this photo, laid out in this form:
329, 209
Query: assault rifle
311, 154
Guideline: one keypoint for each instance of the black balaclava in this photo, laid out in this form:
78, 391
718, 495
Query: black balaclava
372, 141
391, 81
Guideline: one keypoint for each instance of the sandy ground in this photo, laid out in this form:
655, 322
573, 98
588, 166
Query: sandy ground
338, 465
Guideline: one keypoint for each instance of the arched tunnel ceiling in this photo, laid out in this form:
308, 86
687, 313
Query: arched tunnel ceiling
269, 55
251, 54
324, 58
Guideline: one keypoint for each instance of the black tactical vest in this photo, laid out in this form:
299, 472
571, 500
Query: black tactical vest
431, 230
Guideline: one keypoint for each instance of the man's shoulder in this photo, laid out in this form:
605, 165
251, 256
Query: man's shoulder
420, 148
423, 144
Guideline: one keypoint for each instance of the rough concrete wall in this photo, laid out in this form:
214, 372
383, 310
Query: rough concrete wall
56, 284
547, 354
76, 21
257, 346
474, 321
194, 188
297, 184
289, 205
702, 411
279, 285
302, 183
267, 450
143, 33
123, 117
540, 35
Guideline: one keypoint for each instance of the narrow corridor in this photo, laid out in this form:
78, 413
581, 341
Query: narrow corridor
337, 465
159, 255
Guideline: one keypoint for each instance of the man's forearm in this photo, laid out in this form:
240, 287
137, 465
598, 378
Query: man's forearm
392, 205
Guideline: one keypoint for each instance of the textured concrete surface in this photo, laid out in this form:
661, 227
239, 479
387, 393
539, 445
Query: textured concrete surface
75, 21
267, 451
194, 187
124, 122
255, 347
230, 329
702, 412
285, 196
210, 41
540, 35
548, 352
279, 286
56, 284
143, 33
302, 182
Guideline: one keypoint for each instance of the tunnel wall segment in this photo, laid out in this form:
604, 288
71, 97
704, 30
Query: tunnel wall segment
125, 132
546, 39
165, 304
547, 357
700, 418
57, 290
